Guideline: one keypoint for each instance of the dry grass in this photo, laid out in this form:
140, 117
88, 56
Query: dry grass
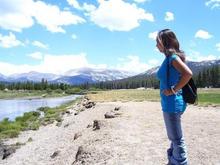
125, 95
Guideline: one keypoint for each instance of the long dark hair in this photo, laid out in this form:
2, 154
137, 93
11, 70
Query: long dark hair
170, 43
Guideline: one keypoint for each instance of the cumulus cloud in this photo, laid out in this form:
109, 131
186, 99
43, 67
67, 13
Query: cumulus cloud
140, 1
169, 16
60, 64
53, 19
40, 44
153, 35
36, 55
213, 4
57, 64
203, 34
19, 14
9, 41
119, 15
133, 63
85, 7
74, 3
198, 57
88, 7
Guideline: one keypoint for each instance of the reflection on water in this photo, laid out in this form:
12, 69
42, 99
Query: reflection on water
16, 107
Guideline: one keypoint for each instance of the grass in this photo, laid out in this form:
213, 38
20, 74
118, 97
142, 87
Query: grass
125, 95
205, 96
37, 93
209, 96
33, 120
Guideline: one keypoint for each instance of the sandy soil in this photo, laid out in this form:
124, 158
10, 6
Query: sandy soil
135, 137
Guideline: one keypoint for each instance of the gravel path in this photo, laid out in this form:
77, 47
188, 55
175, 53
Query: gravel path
135, 137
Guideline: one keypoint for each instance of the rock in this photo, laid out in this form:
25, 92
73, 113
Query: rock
67, 112
109, 115
86, 98
30, 139
76, 113
59, 124
96, 124
89, 125
81, 155
88, 106
1, 150
77, 135
66, 125
117, 108
82, 109
55, 154
5, 151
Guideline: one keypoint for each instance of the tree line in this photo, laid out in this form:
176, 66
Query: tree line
30, 85
208, 77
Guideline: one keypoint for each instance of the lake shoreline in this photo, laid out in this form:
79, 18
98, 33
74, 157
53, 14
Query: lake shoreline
12, 125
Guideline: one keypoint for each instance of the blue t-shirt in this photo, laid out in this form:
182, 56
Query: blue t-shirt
172, 103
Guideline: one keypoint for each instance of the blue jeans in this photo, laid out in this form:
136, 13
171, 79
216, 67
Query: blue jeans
177, 154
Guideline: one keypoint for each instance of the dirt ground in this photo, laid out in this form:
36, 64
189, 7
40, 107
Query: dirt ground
136, 136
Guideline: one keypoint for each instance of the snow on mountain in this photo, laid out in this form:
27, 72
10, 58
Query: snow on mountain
3, 77
83, 75
100, 74
32, 76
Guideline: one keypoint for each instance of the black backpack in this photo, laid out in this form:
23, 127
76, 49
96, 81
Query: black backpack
189, 91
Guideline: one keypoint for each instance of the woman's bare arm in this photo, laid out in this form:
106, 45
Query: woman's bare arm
185, 72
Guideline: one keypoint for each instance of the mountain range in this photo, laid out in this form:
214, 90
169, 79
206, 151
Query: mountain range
91, 75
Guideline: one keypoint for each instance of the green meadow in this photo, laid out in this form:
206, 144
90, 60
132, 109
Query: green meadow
10, 94
205, 96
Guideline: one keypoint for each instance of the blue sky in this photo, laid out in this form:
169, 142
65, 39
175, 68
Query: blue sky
54, 36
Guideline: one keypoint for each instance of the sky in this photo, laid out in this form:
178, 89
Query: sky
54, 36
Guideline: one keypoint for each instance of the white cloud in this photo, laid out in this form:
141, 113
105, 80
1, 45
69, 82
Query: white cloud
16, 14
213, 3
197, 56
203, 34
140, 1
57, 64
51, 17
218, 46
60, 64
169, 16
36, 55
153, 62
40, 44
119, 15
19, 14
87, 7
74, 3
153, 35
73, 36
132, 63
9, 41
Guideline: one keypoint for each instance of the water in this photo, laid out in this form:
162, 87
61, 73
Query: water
16, 107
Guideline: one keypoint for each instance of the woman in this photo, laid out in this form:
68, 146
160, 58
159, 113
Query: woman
173, 75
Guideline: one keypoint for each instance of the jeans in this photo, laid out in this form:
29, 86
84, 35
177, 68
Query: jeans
177, 154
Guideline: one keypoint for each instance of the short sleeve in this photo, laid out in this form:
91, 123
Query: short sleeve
173, 57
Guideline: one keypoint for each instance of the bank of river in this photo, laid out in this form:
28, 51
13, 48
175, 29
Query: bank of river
11, 108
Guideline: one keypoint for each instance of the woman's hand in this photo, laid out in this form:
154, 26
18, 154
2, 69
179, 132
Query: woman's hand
167, 92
